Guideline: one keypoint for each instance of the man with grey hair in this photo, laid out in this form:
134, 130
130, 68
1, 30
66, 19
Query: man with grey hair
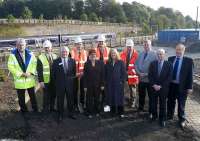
181, 84
160, 74
63, 75
142, 69
22, 65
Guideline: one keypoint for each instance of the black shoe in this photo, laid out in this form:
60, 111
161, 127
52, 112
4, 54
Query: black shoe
59, 119
53, 110
72, 117
162, 123
139, 110
169, 117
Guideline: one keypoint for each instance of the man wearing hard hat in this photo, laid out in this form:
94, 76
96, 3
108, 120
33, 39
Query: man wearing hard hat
22, 65
129, 55
80, 56
102, 53
101, 50
44, 65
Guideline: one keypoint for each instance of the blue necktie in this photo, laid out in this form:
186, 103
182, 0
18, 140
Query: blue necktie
145, 55
175, 70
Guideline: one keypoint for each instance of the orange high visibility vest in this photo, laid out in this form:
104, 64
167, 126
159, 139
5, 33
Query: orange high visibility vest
132, 76
80, 59
105, 54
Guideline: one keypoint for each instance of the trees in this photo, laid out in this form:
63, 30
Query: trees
97, 10
93, 17
79, 9
27, 13
83, 17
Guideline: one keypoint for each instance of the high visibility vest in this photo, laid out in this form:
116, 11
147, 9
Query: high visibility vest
15, 69
80, 59
46, 66
105, 54
133, 78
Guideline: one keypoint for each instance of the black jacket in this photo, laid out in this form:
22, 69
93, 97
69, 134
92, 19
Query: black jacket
164, 78
93, 76
186, 73
60, 80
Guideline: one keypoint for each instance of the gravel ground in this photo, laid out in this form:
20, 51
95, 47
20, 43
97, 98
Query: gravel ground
36, 127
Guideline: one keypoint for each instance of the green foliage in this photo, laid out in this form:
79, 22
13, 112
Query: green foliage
10, 18
98, 10
83, 17
93, 17
27, 13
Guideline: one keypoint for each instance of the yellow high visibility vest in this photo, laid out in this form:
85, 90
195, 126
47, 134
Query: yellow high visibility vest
15, 69
46, 66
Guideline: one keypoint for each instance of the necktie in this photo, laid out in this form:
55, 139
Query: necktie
175, 69
145, 55
65, 65
50, 59
159, 67
101, 54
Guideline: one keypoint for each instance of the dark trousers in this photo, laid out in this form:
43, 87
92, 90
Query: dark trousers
175, 94
70, 102
93, 100
102, 99
162, 98
144, 88
46, 97
119, 110
82, 94
21, 97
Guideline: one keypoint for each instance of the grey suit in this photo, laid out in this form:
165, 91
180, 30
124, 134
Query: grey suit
142, 66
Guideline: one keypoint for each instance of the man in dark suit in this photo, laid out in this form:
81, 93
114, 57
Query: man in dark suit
160, 74
63, 75
181, 84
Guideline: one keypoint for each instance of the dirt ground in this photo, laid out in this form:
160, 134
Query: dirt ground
43, 127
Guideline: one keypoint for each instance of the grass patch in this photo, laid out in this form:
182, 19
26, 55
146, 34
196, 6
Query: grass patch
11, 30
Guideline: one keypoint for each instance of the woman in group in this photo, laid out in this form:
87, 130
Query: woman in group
93, 83
115, 76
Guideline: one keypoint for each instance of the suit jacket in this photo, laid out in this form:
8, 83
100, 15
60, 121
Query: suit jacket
93, 76
186, 73
142, 65
63, 81
164, 78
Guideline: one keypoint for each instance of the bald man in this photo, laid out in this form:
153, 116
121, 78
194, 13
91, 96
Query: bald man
63, 75
160, 74
181, 84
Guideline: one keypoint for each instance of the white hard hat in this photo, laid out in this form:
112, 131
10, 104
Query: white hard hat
21, 41
78, 40
47, 43
101, 38
129, 43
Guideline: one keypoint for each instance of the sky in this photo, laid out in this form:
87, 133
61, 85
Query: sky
186, 7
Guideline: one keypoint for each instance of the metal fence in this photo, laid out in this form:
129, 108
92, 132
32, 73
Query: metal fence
42, 21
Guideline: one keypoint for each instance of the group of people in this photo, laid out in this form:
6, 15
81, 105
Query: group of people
93, 81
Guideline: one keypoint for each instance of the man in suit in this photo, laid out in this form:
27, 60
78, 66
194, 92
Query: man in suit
142, 68
160, 74
181, 84
63, 75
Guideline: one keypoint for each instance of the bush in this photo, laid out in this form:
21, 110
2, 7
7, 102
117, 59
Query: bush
10, 18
